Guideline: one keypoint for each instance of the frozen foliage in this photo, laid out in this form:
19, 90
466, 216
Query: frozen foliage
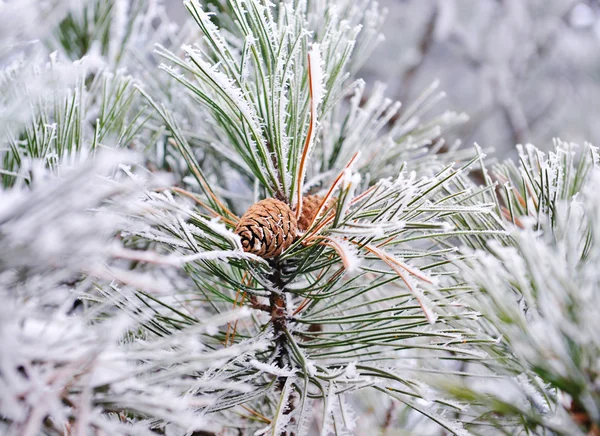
70, 123
364, 287
275, 58
70, 360
539, 295
414, 299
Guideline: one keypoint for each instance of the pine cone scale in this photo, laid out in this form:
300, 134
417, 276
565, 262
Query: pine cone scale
310, 207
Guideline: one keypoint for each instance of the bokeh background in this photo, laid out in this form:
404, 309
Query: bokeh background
523, 70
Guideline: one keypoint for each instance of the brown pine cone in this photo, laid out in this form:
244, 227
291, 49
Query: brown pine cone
310, 207
267, 228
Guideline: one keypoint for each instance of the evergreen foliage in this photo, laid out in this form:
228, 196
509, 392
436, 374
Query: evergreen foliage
129, 150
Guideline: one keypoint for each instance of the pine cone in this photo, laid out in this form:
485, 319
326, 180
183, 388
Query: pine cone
267, 228
310, 207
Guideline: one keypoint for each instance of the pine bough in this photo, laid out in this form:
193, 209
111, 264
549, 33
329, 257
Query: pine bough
416, 299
